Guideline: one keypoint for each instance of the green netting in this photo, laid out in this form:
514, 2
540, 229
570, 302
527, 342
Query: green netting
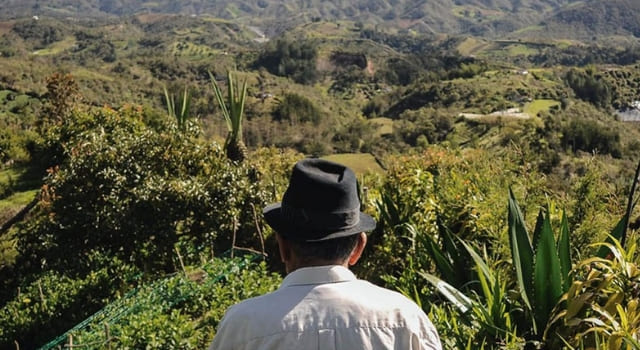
160, 291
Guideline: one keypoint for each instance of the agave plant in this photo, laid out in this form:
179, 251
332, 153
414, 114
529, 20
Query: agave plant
179, 112
542, 276
542, 273
232, 111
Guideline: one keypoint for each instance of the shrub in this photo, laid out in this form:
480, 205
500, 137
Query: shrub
132, 192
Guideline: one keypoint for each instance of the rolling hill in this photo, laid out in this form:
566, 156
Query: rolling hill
487, 18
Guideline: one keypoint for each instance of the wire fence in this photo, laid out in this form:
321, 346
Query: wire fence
130, 303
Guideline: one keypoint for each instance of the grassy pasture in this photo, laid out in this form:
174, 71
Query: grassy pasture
18, 179
536, 106
519, 49
385, 125
529, 29
360, 163
16, 201
84, 73
472, 46
57, 47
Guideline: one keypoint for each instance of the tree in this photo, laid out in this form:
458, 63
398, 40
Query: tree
62, 95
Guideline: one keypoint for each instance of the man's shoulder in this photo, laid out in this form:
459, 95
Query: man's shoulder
366, 291
249, 307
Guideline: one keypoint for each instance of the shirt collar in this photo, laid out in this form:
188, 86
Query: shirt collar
318, 275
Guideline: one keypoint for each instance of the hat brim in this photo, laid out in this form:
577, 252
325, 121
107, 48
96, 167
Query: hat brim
273, 215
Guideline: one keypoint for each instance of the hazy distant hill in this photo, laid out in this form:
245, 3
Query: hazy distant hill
596, 17
491, 18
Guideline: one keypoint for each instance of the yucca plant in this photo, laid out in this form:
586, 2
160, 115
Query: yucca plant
232, 111
180, 111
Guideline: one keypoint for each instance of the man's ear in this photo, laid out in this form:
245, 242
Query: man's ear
357, 251
284, 248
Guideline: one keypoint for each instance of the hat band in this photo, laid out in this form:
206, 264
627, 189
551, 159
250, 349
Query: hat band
318, 220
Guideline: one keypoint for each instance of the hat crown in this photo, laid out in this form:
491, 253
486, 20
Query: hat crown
320, 203
322, 186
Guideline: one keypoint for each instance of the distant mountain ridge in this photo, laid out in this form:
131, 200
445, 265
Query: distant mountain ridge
488, 18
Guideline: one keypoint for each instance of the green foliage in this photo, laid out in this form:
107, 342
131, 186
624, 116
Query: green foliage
591, 136
62, 93
180, 111
539, 271
181, 311
42, 33
291, 58
601, 307
296, 109
490, 312
54, 301
139, 192
590, 87
426, 199
539, 277
425, 122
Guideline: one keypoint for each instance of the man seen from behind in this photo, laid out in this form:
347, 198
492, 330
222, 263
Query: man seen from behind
321, 304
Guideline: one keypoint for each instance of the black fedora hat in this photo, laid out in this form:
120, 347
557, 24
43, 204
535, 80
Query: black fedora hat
320, 203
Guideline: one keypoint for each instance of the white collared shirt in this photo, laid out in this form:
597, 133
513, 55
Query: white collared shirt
327, 308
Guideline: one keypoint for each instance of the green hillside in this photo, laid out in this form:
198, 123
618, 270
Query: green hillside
498, 18
121, 187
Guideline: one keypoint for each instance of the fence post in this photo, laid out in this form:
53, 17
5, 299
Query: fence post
70, 341
42, 300
255, 219
233, 240
106, 332
184, 270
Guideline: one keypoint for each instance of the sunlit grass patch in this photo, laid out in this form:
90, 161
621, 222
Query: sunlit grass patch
57, 47
472, 46
529, 29
16, 201
83, 73
518, 49
385, 125
360, 163
536, 106
16, 180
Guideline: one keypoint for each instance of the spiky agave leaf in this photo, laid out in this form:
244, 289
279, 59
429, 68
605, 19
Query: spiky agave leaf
564, 253
521, 249
547, 281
